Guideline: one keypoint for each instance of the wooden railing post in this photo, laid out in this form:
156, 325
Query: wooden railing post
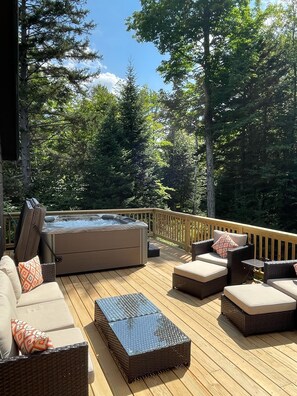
154, 222
187, 235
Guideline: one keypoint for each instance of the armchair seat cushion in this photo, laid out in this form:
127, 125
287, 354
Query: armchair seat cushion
46, 316
285, 285
213, 258
45, 292
71, 336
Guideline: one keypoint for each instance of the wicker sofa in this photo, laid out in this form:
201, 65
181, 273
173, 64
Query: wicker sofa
282, 276
66, 369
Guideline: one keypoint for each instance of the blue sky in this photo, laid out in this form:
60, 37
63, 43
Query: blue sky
118, 47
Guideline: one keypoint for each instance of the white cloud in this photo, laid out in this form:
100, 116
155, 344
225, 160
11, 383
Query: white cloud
109, 80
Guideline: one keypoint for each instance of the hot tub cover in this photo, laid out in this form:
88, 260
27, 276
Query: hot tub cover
28, 231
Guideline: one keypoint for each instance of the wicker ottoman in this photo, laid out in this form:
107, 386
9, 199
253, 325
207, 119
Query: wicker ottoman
199, 278
258, 308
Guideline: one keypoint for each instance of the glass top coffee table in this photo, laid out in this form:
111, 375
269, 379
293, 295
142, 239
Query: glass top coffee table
142, 340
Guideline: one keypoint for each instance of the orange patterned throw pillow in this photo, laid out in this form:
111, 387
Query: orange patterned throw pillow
223, 244
29, 339
30, 274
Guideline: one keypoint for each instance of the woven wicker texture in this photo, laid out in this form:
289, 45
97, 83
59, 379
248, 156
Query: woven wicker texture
48, 272
141, 345
126, 306
256, 324
147, 333
60, 372
279, 269
196, 288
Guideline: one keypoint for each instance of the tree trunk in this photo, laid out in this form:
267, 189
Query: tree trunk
208, 115
25, 150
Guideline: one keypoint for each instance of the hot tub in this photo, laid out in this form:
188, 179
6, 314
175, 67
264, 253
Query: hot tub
93, 242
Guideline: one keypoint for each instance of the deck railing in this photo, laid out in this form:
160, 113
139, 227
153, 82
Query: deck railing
183, 229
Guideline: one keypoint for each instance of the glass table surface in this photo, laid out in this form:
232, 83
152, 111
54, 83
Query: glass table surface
126, 306
147, 333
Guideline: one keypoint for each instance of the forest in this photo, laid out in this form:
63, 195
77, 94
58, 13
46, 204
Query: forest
221, 143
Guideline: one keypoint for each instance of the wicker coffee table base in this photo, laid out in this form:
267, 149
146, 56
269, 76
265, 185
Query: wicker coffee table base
148, 362
257, 324
142, 341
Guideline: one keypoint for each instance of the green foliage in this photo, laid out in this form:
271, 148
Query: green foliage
106, 181
53, 44
233, 67
123, 167
179, 174
145, 188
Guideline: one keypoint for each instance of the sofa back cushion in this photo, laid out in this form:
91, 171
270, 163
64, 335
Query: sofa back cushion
239, 239
8, 346
7, 290
8, 266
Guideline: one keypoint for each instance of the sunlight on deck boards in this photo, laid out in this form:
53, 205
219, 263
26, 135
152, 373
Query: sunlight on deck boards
223, 362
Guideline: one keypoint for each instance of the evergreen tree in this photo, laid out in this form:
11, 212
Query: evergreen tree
52, 33
144, 188
106, 180
180, 172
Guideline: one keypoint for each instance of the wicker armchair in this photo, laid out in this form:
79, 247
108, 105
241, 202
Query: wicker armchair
237, 272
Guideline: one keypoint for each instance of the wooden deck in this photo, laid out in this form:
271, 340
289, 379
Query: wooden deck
223, 362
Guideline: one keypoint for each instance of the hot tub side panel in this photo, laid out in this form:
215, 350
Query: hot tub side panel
93, 250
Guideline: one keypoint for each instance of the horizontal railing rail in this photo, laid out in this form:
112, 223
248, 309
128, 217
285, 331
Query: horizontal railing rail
183, 229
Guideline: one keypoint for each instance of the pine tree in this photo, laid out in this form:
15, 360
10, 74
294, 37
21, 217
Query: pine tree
52, 33
107, 184
144, 189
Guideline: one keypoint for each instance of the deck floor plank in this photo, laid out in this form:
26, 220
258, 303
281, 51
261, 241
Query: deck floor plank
223, 361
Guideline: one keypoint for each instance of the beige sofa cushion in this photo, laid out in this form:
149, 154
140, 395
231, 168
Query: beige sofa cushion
46, 316
7, 289
8, 346
200, 271
259, 299
285, 285
66, 337
8, 266
46, 292
213, 258
240, 239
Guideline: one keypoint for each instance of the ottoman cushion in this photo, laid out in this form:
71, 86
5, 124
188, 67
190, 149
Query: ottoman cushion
200, 271
259, 299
